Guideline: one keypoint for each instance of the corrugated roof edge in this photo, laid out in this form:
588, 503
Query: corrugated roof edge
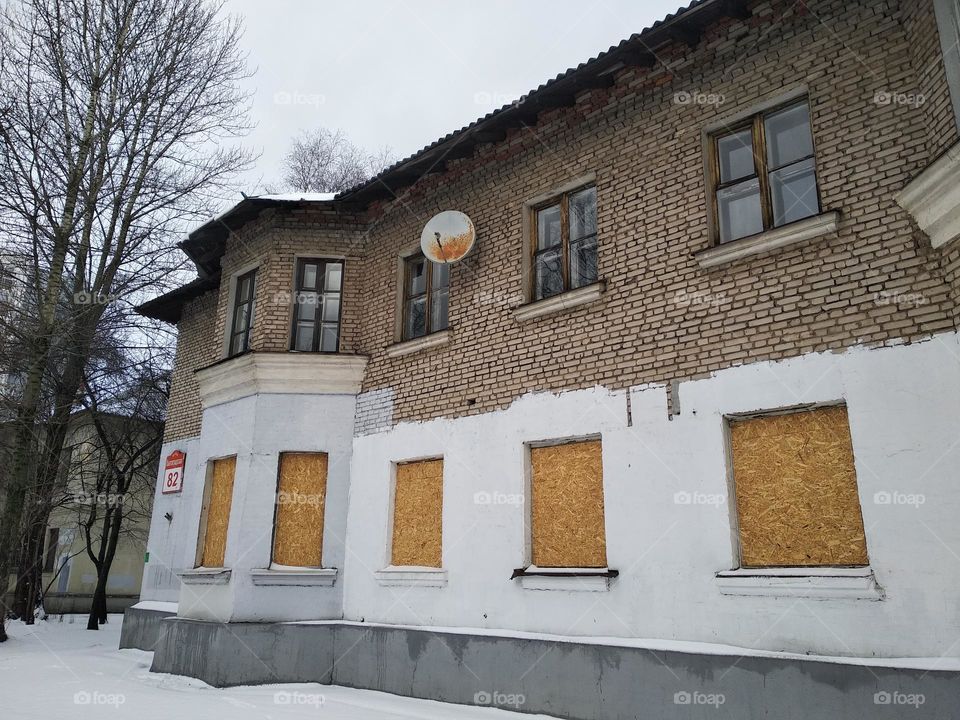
635, 37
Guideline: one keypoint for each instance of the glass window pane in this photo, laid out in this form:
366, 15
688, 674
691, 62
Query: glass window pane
441, 275
438, 310
331, 307
246, 287
735, 155
304, 339
738, 208
416, 320
240, 315
549, 274
788, 135
333, 277
238, 344
306, 305
583, 262
328, 338
583, 213
309, 276
794, 192
416, 272
548, 227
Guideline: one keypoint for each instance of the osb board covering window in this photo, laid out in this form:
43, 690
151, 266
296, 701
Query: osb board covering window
796, 489
567, 526
301, 494
218, 512
418, 514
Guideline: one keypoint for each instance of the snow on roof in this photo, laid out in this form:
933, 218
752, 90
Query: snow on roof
296, 197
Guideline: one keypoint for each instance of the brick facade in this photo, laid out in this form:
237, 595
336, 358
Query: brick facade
662, 317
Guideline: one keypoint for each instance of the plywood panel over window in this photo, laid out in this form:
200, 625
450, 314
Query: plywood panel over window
418, 514
567, 525
301, 496
796, 490
217, 513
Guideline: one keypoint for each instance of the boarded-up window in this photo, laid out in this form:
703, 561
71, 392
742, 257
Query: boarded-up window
418, 514
217, 512
301, 492
796, 488
567, 526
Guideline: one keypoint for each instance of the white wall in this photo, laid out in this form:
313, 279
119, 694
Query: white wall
256, 429
904, 409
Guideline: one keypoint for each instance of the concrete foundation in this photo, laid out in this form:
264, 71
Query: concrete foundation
582, 681
142, 628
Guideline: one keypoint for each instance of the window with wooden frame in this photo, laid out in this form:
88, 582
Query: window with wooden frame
50, 556
564, 243
426, 296
567, 527
243, 305
298, 519
316, 307
418, 514
215, 515
764, 172
796, 490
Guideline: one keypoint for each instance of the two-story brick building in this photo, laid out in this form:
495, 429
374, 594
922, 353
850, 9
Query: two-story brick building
698, 381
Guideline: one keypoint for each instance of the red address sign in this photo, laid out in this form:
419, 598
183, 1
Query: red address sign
173, 472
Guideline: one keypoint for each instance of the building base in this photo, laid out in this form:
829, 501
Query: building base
569, 679
142, 627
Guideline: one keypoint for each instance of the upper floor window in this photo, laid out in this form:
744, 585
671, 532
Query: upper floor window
242, 313
764, 172
316, 317
565, 243
426, 291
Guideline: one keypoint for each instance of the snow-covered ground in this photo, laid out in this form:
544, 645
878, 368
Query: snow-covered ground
57, 669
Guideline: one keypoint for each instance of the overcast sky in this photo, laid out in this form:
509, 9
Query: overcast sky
403, 73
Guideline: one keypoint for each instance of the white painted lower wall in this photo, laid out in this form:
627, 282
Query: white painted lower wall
668, 522
256, 429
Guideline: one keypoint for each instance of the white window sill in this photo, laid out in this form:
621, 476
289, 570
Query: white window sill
426, 342
567, 579
558, 303
792, 234
311, 577
802, 582
933, 198
205, 576
395, 575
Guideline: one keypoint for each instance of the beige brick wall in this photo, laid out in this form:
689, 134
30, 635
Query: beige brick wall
662, 317
647, 154
927, 76
195, 349
272, 243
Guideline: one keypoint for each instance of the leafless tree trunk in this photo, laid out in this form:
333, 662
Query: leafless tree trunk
117, 119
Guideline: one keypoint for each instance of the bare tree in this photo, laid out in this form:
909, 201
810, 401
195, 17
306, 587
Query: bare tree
117, 119
326, 161
117, 477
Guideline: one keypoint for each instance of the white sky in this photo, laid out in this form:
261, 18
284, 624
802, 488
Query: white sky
403, 73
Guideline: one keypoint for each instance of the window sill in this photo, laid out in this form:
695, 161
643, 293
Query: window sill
396, 575
564, 301
933, 198
205, 576
420, 344
311, 577
792, 234
834, 583
568, 579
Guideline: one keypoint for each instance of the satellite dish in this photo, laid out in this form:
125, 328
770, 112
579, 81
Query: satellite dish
448, 237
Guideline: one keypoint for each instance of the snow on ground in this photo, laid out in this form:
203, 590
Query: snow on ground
58, 669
